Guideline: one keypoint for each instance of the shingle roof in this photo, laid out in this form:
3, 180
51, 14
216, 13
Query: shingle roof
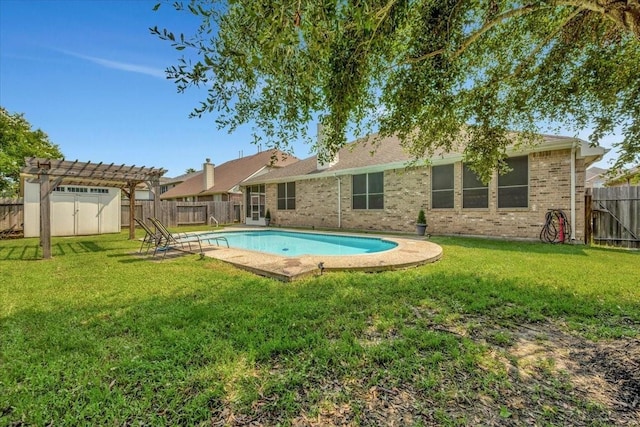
180, 178
359, 154
366, 153
229, 174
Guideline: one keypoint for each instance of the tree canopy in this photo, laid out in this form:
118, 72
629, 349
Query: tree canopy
17, 141
434, 72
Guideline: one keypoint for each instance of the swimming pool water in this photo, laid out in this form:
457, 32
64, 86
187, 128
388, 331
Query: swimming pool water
290, 243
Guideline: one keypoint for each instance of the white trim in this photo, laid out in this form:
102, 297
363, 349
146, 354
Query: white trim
339, 201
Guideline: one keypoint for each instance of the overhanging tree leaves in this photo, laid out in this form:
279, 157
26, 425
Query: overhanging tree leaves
17, 141
435, 72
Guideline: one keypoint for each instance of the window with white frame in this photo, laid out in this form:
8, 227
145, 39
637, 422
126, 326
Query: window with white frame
475, 194
287, 196
442, 187
513, 187
368, 191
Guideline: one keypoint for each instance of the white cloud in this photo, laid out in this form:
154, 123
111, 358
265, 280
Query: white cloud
117, 65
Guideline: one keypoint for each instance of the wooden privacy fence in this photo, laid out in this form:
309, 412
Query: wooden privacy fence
613, 214
173, 213
11, 213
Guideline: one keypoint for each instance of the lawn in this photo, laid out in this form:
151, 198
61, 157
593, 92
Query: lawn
495, 333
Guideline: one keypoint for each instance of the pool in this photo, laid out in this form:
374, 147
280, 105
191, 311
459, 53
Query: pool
293, 244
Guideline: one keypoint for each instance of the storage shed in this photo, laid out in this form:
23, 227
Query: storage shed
66, 198
75, 210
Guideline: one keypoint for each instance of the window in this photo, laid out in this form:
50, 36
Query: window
368, 191
99, 190
513, 187
77, 189
475, 194
442, 187
287, 196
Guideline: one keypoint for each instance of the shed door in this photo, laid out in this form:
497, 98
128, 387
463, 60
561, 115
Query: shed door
88, 214
63, 215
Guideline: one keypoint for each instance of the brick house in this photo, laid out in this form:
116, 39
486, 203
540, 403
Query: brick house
379, 191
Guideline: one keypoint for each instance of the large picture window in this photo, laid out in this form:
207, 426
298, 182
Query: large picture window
513, 187
442, 187
475, 194
368, 191
287, 196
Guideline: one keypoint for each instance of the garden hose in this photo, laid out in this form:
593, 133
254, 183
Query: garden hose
556, 226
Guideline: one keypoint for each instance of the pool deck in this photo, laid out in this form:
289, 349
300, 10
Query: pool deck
410, 252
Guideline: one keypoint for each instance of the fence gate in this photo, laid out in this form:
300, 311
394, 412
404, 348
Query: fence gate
614, 216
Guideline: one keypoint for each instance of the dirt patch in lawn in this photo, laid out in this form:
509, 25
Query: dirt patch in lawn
534, 375
605, 374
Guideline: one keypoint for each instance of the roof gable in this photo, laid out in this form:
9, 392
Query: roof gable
229, 174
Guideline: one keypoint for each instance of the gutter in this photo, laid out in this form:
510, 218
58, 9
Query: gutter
339, 200
562, 143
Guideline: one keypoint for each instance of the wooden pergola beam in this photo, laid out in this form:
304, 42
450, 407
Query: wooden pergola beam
132, 210
45, 213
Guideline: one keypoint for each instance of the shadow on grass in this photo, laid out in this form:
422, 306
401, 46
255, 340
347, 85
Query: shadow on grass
241, 341
20, 252
33, 251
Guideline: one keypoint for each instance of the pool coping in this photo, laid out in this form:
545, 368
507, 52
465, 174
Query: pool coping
409, 252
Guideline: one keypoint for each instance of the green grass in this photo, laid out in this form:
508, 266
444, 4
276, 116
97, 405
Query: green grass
99, 336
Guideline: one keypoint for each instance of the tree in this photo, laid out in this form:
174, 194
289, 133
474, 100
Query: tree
434, 72
17, 141
190, 170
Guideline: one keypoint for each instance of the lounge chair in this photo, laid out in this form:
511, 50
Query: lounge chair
150, 238
168, 240
7, 232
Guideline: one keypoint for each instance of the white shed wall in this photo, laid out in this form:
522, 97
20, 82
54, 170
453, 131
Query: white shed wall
77, 210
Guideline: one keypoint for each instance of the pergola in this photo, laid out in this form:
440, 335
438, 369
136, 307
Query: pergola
53, 172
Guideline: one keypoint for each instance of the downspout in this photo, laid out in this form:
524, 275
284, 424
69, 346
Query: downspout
573, 192
339, 201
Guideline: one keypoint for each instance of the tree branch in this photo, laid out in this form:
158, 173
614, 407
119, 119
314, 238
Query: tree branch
486, 27
625, 14
546, 41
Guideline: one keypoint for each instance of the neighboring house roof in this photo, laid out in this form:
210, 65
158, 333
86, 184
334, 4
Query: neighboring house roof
180, 178
627, 177
373, 154
228, 175
595, 177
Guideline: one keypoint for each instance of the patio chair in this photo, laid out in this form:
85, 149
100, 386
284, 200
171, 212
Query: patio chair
150, 238
7, 232
170, 240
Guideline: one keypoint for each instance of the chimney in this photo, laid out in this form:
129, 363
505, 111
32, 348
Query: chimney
322, 159
207, 173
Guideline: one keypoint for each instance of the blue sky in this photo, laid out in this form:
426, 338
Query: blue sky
90, 75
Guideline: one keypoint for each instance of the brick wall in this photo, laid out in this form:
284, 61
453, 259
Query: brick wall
409, 190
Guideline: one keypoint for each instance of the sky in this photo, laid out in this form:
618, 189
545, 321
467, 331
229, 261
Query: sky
91, 75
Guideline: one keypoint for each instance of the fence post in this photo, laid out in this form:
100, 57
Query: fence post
588, 216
